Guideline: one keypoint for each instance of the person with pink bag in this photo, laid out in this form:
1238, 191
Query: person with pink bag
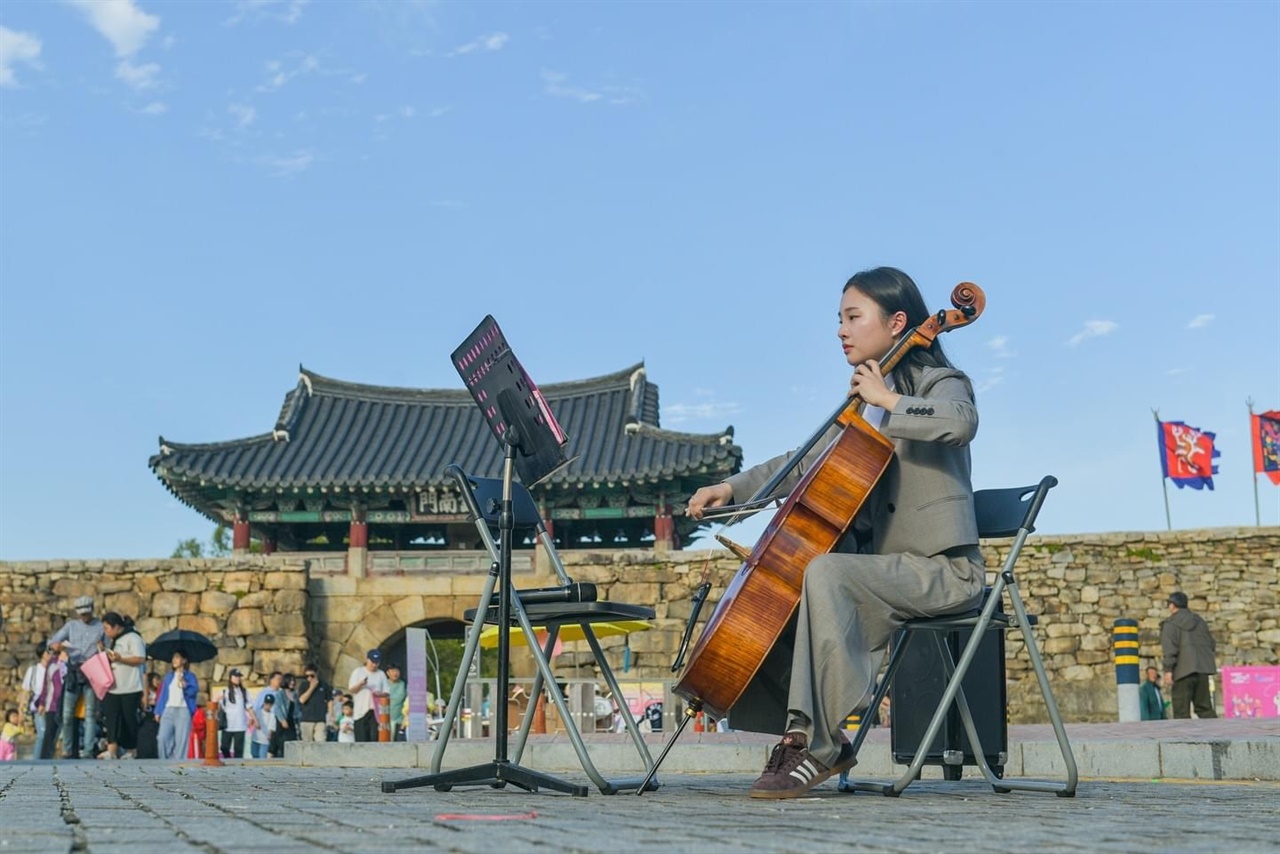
123, 702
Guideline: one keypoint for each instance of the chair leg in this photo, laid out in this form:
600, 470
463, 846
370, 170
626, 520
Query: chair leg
895, 659
1067, 789
633, 729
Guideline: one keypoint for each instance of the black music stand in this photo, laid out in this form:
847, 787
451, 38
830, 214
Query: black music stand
533, 444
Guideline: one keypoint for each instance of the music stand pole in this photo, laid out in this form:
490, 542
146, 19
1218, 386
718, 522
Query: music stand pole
501, 770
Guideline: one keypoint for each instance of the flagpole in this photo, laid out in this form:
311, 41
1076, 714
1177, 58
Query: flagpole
1257, 509
1164, 481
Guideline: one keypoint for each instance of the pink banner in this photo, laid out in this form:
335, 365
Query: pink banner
1251, 692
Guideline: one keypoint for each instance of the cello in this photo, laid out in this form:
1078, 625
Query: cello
764, 594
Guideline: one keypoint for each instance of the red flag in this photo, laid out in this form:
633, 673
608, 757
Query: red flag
1266, 444
1187, 454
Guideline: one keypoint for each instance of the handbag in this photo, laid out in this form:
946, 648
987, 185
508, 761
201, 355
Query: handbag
222, 716
96, 670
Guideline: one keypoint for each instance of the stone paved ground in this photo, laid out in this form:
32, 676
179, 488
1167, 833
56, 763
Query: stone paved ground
138, 807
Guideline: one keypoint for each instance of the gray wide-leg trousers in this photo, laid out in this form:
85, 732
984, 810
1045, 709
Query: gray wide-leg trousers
850, 607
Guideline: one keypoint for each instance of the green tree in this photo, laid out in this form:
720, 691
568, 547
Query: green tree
188, 548
219, 545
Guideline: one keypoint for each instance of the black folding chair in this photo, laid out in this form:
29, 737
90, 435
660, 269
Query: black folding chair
1001, 513
569, 604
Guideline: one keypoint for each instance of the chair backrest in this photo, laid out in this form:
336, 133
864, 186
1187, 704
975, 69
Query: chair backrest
1002, 512
483, 496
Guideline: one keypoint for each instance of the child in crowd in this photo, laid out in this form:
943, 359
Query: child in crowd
266, 720
9, 735
347, 724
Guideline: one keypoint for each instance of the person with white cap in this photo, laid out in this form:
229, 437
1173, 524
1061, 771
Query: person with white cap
79, 638
365, 680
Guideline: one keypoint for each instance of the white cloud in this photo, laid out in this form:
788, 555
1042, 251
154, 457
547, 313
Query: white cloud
1093, 329
155, 108
493, 41
555, 84
286, 11
407, 112
16, 47
243, 114
120, 22
1200, 320
437, 112
1000, 347
138, 76
288, 166
278, 75
987, 384
711, 410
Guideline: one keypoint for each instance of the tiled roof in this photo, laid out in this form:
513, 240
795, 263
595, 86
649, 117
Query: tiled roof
347, 436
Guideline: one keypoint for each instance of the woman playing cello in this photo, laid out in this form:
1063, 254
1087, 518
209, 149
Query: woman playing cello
912, 550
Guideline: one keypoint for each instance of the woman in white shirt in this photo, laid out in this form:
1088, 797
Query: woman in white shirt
234, 705
123, 703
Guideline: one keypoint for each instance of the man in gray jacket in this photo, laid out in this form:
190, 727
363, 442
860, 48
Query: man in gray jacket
1189, 660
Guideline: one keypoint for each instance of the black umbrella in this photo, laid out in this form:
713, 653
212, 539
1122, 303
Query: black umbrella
195, 646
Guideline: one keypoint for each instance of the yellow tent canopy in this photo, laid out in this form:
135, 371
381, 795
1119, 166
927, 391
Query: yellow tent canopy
571, 632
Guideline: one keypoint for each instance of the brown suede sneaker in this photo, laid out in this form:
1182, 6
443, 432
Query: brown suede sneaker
792, 770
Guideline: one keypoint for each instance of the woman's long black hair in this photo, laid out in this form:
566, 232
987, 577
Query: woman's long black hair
894, 291
231, 690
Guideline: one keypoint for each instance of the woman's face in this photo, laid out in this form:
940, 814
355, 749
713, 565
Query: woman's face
865, 333
178, 660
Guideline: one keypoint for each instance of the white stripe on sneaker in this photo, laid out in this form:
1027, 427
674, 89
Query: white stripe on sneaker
805, 771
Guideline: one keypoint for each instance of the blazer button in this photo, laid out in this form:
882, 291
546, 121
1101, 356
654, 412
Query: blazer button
929, 411
891, 507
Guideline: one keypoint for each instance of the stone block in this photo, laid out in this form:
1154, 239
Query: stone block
382, 622
334, 585
127, 603
1250, 759
257, 599
1190, 761
245, 622
409, 610
286, 661
278, 642
340, 609
72, 588
290, 601
334, 755
284, 624
285, 581
166, 604
185, 582
240, 582
150, 627
635, 593
449, 608
202, 623
147, 584
217, 603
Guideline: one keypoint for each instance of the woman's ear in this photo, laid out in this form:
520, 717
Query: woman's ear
897, 323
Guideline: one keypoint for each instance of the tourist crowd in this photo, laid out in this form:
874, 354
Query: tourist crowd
162, 715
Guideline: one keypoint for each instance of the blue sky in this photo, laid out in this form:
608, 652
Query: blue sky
197, 197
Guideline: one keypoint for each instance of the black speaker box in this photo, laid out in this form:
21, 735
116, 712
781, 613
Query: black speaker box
917, 689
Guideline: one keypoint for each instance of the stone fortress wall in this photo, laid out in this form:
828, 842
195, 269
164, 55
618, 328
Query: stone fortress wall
275, 613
